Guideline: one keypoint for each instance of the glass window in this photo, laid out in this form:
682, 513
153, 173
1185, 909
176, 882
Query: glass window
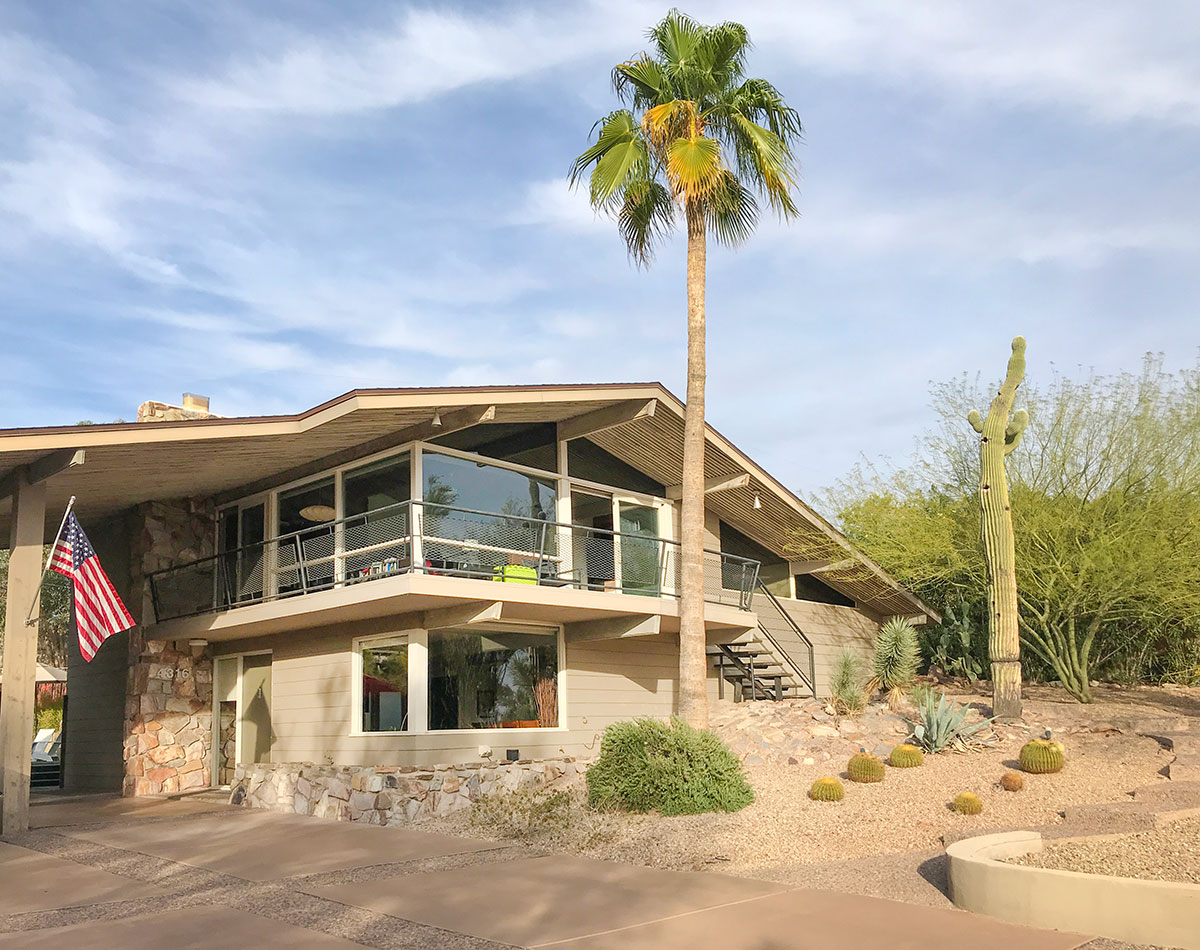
377, 518
376, 485
507, 533
385, 686
465, 483
305, 560
492, 679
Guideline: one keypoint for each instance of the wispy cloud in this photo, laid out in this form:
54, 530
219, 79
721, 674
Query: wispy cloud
300, 208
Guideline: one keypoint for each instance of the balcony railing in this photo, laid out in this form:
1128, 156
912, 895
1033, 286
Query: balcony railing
428, 538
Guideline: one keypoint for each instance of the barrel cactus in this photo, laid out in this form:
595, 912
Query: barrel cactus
826, 790
1012, 782
906, 757
865, 767
967, 803
1041, 756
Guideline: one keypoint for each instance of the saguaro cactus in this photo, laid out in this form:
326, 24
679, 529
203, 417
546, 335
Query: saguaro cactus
998, 436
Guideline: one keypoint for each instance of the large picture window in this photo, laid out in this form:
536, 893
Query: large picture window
384, 697
492, 679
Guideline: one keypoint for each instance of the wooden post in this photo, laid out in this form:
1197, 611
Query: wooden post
20, 652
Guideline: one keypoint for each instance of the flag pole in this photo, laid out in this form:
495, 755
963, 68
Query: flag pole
30, 619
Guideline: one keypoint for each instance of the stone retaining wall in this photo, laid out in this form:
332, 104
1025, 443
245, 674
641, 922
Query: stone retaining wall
386, 795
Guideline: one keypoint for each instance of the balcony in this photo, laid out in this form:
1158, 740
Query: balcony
427, 540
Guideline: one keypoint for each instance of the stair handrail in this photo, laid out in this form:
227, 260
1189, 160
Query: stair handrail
811, 679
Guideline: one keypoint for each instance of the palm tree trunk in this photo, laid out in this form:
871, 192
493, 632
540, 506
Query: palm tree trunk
693, 664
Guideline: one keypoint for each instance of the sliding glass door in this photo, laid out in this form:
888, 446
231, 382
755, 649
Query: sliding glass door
640, 550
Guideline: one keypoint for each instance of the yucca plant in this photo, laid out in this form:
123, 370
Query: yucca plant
896, 655
941, 725
845, 688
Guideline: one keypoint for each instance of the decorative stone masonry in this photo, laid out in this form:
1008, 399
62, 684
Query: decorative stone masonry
386, 795
168, 706
168, 718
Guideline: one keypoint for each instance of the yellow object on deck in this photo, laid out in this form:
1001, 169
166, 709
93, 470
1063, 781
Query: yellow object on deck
515, 574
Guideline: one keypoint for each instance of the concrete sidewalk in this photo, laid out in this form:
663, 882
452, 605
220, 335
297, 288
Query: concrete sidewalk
189, 874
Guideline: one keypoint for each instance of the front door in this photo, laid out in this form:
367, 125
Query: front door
242, 700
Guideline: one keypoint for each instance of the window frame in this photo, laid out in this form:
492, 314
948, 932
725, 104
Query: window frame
418, 680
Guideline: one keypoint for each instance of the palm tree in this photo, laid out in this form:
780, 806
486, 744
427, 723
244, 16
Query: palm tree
695, 136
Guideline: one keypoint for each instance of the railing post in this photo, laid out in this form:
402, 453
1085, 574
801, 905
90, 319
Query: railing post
416, 527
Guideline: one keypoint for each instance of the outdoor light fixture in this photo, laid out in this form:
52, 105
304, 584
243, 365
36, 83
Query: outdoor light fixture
757, 502
437, 419
318, 513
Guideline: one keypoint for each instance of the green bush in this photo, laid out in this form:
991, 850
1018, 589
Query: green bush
648, 765
49, 717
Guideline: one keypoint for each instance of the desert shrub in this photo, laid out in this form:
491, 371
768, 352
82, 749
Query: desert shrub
555, 818
846, 686
895, 662
941, 725
649, 765
49, 716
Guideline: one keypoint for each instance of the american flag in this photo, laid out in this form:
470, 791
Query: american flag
99, 612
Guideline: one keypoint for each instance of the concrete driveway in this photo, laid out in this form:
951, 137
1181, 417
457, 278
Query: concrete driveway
184, 873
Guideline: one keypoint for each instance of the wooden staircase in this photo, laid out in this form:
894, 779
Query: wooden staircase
772, 661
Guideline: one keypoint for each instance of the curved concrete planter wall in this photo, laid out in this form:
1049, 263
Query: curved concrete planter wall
1163, 913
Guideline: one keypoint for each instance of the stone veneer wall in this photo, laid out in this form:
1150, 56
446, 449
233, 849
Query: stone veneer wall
168, 700
385, 795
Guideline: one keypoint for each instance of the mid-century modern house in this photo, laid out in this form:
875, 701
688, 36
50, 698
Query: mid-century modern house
419, 576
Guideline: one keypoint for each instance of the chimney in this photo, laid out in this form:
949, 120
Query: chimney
194, 407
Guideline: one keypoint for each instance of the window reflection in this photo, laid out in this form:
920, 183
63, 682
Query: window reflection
492, 679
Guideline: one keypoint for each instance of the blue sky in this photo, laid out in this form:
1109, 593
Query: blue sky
272, 204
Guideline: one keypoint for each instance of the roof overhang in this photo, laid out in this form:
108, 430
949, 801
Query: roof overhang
131, 463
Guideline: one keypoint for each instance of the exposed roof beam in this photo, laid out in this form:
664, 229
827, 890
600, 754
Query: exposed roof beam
607, 418
613, 628
463, 615
719, 483
41, 469
819, 566
451, 422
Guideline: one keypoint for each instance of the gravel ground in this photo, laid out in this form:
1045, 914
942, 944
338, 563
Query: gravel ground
1170, 853
907, 812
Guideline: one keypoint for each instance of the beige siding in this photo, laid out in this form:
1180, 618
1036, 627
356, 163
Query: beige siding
832, 629
312, 697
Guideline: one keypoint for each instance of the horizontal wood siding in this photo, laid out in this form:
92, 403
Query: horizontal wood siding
832, 630
312, 695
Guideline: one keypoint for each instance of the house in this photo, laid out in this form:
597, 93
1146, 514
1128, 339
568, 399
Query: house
405, 577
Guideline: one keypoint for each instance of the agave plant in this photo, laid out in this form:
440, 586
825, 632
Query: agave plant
896, 654
940, 726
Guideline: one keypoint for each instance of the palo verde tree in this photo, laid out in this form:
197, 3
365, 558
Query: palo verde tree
696, 139
1106, 516
997, 438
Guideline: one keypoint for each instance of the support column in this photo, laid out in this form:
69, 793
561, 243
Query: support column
20, 652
